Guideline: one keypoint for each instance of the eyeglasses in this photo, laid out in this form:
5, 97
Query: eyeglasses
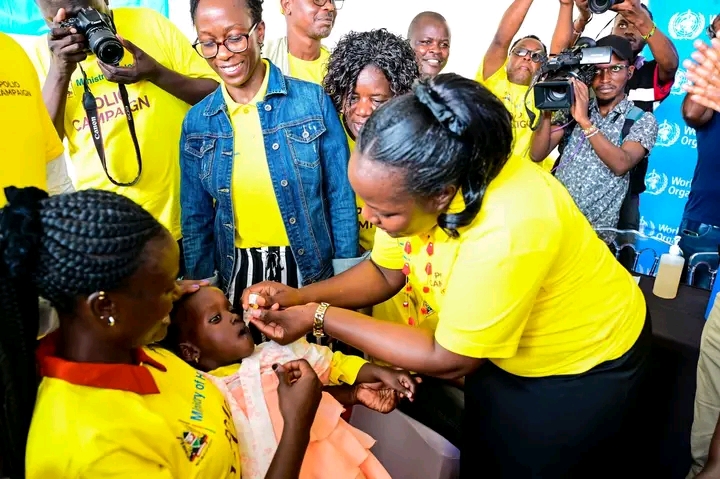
535, 56
338, 3
234, 44
613, 69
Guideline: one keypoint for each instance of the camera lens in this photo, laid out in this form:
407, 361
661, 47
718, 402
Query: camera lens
556, 94
110, 52
602, 6
106, 46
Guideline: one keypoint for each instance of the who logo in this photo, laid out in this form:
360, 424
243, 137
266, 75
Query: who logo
656, 183
668, 134
687, 25
680, 81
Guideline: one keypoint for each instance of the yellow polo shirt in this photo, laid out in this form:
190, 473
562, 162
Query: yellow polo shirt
28, 138
312, 71
158, 117
158, 419
513, 96
258, 221
528, 284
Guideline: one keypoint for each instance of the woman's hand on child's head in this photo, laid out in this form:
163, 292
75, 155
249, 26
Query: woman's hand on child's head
376, 396
299, 393
188, 286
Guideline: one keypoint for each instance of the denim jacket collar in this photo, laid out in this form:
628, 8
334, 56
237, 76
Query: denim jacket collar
276, 86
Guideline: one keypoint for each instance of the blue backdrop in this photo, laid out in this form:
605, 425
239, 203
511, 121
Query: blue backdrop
672, 162
22, 17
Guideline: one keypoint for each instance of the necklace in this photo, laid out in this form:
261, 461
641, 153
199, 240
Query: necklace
407, 270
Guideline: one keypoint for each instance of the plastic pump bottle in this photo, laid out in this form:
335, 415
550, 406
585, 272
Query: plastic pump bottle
669, 272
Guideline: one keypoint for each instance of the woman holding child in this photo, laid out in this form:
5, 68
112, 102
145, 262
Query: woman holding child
550, 332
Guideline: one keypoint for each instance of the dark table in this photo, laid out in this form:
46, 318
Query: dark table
668, 399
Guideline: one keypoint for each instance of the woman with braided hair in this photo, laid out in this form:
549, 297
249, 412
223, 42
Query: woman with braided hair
107, 406
548, 329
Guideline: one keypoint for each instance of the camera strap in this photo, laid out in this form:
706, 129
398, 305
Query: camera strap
91, 111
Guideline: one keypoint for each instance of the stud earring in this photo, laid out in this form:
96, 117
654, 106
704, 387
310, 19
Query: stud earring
111, 321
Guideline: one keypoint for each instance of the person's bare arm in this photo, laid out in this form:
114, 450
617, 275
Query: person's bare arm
545, 139
694, 114
564, 38
662, 48
563, 34
510, 24
67, 49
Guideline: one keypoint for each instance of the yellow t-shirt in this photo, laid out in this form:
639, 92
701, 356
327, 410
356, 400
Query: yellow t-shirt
28, 138
312, 71
513, 96
158, 117
258, 221
528, 284
367, 229
160, 419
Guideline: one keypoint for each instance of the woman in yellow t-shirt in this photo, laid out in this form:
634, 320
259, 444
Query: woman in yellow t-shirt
365, 71
549, 330
107, 406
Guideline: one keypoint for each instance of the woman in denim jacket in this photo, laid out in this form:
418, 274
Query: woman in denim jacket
264, 186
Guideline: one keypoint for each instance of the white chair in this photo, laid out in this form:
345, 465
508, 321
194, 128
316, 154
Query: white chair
407, 449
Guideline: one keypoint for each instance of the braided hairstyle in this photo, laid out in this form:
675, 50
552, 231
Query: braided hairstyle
450, 131
61, 248
390, 53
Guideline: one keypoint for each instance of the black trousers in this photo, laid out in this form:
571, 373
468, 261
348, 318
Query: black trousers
557, 427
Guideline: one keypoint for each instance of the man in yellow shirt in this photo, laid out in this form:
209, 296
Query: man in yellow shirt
32, 151
300, 54
163, 77
509, 77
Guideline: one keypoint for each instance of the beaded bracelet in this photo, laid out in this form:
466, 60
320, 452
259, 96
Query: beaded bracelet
650, 33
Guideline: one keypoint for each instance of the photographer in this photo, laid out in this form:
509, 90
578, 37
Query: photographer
135, 154
603, 145
508, 69
650, 84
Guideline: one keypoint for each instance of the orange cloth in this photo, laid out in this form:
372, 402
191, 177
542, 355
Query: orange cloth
336, 450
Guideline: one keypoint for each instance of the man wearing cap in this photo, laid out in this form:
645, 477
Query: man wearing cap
599, 154
650, 84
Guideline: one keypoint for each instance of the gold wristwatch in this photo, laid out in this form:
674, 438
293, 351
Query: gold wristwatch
319, 321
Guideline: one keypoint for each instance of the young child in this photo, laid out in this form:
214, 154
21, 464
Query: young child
212, 338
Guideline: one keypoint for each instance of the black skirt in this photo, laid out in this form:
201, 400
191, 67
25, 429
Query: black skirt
556, 427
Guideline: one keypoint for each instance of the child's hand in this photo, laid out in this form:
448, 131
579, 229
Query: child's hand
376, 396
399, 380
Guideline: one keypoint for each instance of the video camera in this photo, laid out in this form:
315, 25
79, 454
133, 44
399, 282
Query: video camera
99, 31
553, 91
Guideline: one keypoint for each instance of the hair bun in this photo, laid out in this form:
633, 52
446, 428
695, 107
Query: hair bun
20, 229
427, 95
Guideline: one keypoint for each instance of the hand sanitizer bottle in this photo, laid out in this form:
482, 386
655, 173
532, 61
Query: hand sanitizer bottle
667, 280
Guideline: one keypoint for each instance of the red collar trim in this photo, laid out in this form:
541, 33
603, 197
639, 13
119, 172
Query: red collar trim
134, 378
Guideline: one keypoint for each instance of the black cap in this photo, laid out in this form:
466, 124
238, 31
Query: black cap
620, 46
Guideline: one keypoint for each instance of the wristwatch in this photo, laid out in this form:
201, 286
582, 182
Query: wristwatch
319, 320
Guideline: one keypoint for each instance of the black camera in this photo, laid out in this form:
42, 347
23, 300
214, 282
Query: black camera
554, 91
602, 6
99, 32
